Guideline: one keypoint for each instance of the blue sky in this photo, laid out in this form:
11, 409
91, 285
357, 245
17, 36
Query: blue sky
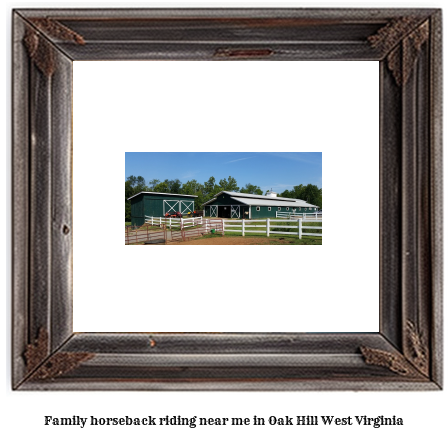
268, 170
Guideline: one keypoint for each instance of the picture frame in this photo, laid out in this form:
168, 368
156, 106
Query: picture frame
406, 353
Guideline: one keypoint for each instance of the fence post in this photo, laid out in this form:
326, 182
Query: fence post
127, 236
242, 227
300, 228
181, 224
222, 223
267, 227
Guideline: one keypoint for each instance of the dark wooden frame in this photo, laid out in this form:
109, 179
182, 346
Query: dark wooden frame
406, 354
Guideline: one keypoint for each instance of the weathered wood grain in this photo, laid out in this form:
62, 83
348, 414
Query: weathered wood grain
410, 217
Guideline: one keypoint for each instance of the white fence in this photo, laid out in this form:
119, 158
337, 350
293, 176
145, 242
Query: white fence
264, 226
243, 226
174, 221
293, 215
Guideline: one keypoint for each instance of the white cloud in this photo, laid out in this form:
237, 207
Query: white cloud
240, 159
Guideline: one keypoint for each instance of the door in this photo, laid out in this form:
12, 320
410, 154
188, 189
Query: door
170, 206
186, 207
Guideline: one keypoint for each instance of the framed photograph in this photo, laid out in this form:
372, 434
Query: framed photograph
50, 353
218, 211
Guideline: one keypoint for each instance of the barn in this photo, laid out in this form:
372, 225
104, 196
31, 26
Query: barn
247, 206
158, 204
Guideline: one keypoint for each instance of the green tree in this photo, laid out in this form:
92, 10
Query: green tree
210, 187
252, 189
161, 188
128, 190
132, 186
174, 185
286, 194
320, 198
152, 184
191, 187
127, 211
209, 190
194, 188
132, 180
309, 193
139, 185
229, 185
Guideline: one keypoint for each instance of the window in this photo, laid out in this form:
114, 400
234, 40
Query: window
258, 208
269, 208
287, 208
293, 209
279, 208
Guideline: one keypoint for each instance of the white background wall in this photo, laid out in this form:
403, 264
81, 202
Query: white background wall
424, 414
176, 106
